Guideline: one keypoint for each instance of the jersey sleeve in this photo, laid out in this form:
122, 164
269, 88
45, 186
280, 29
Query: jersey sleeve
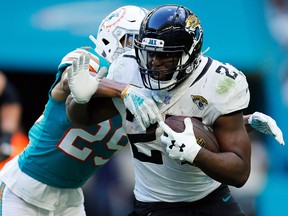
235, 92
96, 61
226, 90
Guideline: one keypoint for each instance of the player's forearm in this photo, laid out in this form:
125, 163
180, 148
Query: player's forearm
76, 113
110, 88
247, 125
232, 164
226, 167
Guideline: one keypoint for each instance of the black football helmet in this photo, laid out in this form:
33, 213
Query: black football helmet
174, 31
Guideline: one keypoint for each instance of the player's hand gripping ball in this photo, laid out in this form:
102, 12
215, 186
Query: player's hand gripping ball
204, 136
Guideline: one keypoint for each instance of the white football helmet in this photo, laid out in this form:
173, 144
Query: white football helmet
119, 27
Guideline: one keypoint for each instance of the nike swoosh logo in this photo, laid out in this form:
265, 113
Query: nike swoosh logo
226, 199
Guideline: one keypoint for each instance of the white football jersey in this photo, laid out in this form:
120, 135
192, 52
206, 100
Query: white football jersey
212, 90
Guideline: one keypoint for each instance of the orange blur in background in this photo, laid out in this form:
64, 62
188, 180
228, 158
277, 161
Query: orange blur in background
19, 141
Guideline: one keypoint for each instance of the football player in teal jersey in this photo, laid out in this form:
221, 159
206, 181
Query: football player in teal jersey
46, 178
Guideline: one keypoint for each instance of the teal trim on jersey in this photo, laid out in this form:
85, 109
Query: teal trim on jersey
63, 156
2, 188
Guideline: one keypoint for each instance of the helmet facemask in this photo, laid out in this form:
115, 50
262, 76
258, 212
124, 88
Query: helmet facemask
118, 30
126, 43
178, 35
162, 77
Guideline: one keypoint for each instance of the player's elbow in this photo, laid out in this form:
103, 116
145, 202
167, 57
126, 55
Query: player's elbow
241, 178
240, 183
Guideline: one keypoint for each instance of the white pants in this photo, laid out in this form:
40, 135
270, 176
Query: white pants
12, 205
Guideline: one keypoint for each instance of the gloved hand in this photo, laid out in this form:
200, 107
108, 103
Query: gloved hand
265, 124
182, 146
157, 96
5, 146
81, 83
140, 103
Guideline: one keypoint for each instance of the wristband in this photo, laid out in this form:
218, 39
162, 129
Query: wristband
123, 93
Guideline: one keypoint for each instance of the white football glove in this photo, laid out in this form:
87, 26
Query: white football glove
265, 124
157, 97
81, 83
182, 146
140, 103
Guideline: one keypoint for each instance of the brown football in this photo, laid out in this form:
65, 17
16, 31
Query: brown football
203, 134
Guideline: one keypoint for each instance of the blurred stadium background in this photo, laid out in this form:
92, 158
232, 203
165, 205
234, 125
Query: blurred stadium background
35, 35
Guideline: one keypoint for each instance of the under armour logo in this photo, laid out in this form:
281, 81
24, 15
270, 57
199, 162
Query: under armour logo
182, 147
172, 144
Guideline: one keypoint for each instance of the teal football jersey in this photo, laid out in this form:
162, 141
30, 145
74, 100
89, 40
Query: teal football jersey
61, 155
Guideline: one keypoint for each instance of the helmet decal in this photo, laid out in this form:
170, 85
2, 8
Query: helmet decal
153, 42
191, 22
118, 30
114, 18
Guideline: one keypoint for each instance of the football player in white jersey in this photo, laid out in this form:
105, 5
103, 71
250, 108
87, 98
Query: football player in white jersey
173, 174
46, 178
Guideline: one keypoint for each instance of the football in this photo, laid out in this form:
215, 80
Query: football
203, 134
